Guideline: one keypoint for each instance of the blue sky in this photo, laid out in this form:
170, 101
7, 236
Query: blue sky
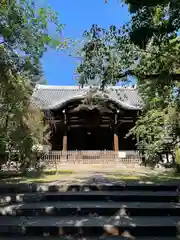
78, 16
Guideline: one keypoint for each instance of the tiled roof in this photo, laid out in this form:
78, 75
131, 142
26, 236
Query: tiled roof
50, 97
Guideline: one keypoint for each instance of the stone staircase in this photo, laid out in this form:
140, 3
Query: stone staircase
112, 212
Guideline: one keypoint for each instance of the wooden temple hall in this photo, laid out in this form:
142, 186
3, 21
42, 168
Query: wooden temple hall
75, 127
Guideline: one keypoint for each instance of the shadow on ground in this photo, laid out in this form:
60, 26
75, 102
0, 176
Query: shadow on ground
117, 178
33, 177
66, 177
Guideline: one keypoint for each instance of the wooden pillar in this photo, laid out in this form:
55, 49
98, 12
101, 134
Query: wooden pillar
65, 142
116, 139
65, 133
116, 142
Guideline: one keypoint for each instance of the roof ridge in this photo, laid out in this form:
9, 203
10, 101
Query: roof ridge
41, 86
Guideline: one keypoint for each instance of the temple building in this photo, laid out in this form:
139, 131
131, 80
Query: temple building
79, 127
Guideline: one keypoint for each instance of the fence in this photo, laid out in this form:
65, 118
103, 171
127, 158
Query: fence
54, 158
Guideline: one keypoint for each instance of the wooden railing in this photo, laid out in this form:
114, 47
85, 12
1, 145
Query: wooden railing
54, 158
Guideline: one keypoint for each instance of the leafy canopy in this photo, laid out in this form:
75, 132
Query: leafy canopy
160, 19
106, 57
24, 33
146, 48
24, 37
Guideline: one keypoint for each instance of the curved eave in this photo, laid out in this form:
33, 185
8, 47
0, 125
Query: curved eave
64, 103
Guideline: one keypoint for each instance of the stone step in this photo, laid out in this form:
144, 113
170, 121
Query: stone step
86, 208
95, 186
125, 187
88, 226
88, 238
129, 196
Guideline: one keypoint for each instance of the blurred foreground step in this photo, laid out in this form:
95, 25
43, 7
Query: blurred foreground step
129, 196
88, 238
67, 208
135, 186
88, 225
126, 187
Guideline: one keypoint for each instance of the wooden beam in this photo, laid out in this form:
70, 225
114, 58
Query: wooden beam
55, 121
79, 125
126, 121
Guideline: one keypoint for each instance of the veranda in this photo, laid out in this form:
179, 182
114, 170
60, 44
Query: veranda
58, 159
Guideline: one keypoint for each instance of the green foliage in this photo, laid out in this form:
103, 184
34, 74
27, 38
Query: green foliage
106, 55
152, 18
24, 33
24, 37
153, 60
158, 84
21, 123
39, 78
134, 5
158, 20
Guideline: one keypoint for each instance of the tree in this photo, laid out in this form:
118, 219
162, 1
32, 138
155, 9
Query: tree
106, 57
21, 123
24, 37
157, 20
160, 94
135, 5
39, 78
154, 29
24, 33
156, 68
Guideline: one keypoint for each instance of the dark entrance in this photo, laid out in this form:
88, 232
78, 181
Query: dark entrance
126, 143
81, 138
